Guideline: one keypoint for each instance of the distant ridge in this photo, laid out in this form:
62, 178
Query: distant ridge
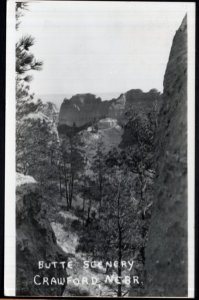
81, 109
57, 99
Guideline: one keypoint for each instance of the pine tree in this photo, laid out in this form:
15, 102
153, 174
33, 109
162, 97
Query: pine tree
99, 169
71, 164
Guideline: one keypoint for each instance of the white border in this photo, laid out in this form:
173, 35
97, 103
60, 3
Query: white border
10, 215
191, 147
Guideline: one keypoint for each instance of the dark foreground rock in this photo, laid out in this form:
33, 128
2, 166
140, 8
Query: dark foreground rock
35, 242
166, 251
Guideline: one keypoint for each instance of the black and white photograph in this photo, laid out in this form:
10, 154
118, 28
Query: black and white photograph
99, 190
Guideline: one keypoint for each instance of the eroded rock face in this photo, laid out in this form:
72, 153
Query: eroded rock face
117, 107
83, 109
35, 241
166, 251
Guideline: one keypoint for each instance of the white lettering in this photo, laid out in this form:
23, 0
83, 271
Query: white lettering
115, 264
61, 280
76, 281
84, 280
54, 263
136, 279
40, 264
35, 280
86, 264
127, 280
123, 264
70, 264
94, 280
53, 281
131, 265
109, 264
62, 263
45, 280
118, 280
47, 265
69, 278
109, 279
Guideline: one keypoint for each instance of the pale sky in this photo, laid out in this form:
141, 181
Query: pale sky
101, 47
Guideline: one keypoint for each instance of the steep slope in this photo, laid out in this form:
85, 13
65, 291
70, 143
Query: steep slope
166, 252
35, 241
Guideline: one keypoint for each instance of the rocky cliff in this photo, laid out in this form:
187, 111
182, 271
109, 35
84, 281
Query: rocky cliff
166, 251
83, 109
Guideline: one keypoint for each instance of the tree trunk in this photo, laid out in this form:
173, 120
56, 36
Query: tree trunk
119, 271
66, 187
51, 157
60, 182
88, 213
71, 190
83, 208
83, 204
100, 191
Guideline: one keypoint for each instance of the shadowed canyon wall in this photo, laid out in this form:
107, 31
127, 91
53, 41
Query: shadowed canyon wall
35, 241
166, 251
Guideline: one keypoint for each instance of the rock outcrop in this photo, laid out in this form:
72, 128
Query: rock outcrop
83, 109
35, 241
166, 251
